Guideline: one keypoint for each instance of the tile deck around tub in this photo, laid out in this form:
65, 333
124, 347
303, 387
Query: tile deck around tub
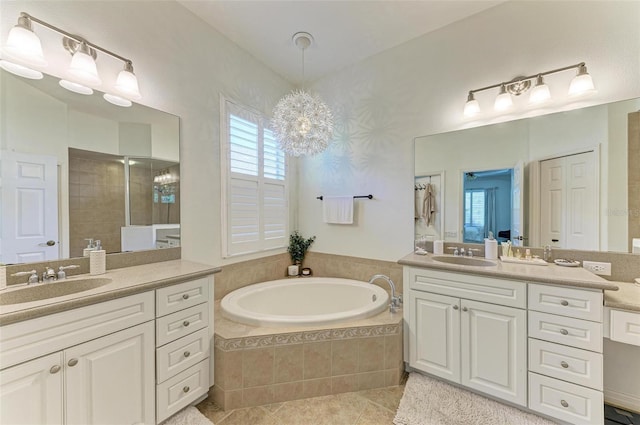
257, 366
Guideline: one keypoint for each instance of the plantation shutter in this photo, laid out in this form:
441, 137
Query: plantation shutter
256, 196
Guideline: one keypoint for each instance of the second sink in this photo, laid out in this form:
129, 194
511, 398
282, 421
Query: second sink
463, 261
37, 292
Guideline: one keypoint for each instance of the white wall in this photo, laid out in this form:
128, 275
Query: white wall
419, 88
182, 65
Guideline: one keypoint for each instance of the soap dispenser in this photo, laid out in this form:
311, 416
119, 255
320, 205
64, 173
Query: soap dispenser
98, 260
90, 247
490, 247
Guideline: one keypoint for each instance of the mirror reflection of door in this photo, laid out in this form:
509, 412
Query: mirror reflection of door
569, 202
487, 205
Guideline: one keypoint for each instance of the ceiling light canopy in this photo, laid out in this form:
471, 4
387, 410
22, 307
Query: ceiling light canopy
302, 123
22, 55
580, 85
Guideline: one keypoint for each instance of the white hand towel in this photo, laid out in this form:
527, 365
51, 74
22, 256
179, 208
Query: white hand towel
418, 204
337, 209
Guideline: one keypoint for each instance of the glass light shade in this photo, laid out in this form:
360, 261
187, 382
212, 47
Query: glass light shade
83, 67
20, 70
127, 85
503, 101
472, 107
23, 45
540, 92
75, 87
117, 100
581, 83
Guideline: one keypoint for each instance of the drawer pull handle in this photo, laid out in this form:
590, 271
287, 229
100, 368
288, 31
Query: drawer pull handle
455, 307
464, 309
564, 364
186, 390
54, 369
187, 354
564, 332
185, 296
73, 362
564, 403
564, 303
185, 323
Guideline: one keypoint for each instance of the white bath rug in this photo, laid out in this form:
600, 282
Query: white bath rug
188, 416
427, 401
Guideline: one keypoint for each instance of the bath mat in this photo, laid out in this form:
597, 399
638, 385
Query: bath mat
427, 401
188, 416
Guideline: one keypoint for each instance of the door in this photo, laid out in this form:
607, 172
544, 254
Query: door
29, 207
494, 343
115, 370
31, 392
517, 204
435, 341
569, 202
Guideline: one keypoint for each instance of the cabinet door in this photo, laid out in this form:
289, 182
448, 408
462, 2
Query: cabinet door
494, 342
31, 392
435, 334
110, 380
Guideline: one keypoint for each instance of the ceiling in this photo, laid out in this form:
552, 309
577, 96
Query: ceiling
344, 32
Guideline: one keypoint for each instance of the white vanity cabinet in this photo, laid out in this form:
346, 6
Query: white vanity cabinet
470, 330
73, 367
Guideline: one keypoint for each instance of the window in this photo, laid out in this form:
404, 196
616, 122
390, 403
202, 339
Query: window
474, 201
255, 195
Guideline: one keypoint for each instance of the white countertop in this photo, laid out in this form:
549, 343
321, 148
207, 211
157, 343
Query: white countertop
124, 281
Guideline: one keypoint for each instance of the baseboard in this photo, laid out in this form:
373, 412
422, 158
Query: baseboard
622, 400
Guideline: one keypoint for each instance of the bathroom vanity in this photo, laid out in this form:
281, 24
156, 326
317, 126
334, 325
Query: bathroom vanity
135, 350
529, 335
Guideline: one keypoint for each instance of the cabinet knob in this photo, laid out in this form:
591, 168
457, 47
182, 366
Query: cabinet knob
465, 309
455, 307
72, 362
54, 369
564, 364
185, 296
185, 323
186, 389
564, 332
564, 403
564, 303
187, 354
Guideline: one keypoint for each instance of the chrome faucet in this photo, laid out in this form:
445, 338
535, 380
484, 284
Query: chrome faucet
33, 276
395, 300
49, 275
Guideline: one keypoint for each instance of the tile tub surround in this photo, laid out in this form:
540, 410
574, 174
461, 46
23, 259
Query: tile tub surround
259, 366
274, 267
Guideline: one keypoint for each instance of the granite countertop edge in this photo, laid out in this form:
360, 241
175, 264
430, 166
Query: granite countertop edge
81, 299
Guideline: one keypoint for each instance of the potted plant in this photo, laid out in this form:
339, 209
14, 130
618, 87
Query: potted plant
297, 249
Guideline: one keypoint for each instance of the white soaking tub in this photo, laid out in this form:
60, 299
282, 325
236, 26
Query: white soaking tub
310, 301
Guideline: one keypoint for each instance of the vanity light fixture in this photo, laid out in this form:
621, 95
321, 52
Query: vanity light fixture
22, 55
581, 84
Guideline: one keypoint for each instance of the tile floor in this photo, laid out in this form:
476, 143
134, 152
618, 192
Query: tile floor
369, 407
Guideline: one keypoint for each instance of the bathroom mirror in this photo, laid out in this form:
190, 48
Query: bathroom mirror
588, 149
86, 169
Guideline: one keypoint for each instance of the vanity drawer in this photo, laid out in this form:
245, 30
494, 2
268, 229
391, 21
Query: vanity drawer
566, 330
178, 297
181, 354
176, 325
565, 401
567, 363
625, 327
571, 302
181, 390
510, 293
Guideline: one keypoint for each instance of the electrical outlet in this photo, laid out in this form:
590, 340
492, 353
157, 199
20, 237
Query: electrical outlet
603, 269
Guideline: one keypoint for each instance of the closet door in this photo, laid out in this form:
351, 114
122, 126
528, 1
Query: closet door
552, 202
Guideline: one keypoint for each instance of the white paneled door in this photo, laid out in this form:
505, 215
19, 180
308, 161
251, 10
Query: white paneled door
29, 190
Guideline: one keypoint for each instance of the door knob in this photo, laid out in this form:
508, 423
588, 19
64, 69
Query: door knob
47, 243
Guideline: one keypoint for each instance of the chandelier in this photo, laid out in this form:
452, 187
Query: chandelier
302, 122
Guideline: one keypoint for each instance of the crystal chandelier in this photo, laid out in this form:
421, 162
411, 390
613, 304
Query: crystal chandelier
302, 122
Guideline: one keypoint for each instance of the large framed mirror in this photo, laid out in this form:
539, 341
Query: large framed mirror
76, 168
568, 179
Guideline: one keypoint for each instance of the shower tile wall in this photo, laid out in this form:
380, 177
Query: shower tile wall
96, 203
141, 195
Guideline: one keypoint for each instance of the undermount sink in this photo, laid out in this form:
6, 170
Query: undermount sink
463, 261
43, 291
